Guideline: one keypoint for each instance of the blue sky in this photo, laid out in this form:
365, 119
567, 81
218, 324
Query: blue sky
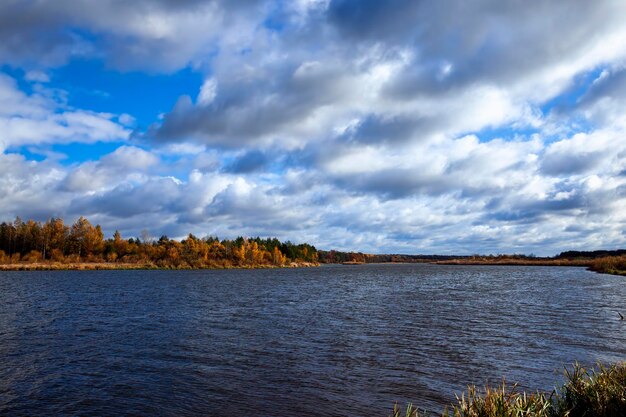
399, 126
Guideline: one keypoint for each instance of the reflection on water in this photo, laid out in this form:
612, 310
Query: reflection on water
329, 341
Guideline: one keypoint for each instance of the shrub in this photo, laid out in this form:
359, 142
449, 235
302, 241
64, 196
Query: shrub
57, 255
32, 256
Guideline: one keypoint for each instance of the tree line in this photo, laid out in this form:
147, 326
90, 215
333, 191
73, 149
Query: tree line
54, 241
337, 257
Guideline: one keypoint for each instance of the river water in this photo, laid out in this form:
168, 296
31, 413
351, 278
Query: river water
328, 341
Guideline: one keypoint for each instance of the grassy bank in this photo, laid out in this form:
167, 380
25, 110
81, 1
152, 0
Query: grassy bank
615, 265
509, 260
94, 266
599, 392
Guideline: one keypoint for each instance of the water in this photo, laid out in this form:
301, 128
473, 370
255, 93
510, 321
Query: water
329, 341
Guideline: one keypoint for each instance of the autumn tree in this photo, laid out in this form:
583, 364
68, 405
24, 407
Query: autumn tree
120, 246
277, 257
32, 241
86, 239
55, 235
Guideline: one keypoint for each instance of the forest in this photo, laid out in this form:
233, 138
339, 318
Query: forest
33, 245
56, 242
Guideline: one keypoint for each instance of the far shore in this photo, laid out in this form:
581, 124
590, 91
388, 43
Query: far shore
111, 266
32, 245
613, 265
600, 267
518, 262
469, 262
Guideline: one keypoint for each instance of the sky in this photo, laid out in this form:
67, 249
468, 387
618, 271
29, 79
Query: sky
385, 127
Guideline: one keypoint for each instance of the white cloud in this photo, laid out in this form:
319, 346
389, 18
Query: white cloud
130, 157
38, 119
392, 129
37, 76
208, 91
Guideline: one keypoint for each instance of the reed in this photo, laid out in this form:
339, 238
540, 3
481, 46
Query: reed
615, 265
599, 392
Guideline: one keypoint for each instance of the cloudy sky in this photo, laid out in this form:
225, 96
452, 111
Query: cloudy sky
396, 126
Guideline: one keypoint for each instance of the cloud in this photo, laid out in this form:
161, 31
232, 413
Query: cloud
149, 35
126, 200
584, 153
250, 110
129, 157
126, 164
380, 129
249, 162
374, 20
42, 117
37, 76
603, 104
208, 91
397, 126
26, 187
267, 99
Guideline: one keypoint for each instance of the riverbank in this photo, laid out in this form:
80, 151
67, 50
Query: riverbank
603, 261
107, 266
516, 261
614, 265
608, 265
599, 392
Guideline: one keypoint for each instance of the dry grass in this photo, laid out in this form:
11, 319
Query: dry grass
615, 265
598, 392
505, 260
92, 266
73, 266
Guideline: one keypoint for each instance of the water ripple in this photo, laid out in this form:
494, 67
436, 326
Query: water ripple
328, 341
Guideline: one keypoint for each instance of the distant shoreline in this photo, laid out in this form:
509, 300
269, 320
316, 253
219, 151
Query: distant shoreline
603, 266
612, 265
53, 245
518, 262
111, 266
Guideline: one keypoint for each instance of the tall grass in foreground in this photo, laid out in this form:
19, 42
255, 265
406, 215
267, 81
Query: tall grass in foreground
597, 392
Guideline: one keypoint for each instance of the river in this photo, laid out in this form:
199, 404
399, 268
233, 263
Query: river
328, 341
